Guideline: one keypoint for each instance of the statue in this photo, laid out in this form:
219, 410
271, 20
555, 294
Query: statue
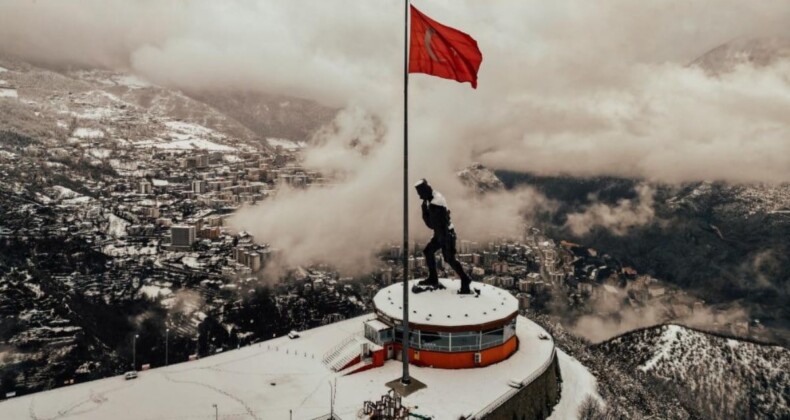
436, 216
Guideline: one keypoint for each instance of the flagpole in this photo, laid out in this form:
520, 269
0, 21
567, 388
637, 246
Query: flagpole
405, 379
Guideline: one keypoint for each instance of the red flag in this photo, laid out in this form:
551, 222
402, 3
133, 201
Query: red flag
442, 51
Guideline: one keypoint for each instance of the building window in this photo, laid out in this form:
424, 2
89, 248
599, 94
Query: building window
434, 341
385, 335
492, 338
465, 341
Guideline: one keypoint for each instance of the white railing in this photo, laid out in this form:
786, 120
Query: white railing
334, 351
490, 408
348, 356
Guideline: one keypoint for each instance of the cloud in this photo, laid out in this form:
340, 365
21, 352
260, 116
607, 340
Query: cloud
566, 87
612, 315
618, 218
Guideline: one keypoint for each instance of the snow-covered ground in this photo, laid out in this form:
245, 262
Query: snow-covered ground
88, 133
577, 384
115, 250
116, 226
194, 144
8, 93
444, 308
285, 143
271, 379
154, 292
65, 193
671, 333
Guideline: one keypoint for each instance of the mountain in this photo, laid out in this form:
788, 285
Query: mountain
480, 178
722, 376
725, 243
756, 52
270, 115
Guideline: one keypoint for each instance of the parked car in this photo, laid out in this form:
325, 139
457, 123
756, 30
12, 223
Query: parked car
293, 334
130, 375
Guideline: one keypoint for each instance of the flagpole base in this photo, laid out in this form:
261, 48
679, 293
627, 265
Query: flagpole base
405, 390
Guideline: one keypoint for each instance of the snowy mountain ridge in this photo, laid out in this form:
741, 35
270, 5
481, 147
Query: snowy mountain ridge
726, 376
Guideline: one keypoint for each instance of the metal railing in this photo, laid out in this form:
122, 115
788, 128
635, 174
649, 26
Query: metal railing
334, 351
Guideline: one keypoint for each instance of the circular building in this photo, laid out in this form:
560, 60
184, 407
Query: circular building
447, 330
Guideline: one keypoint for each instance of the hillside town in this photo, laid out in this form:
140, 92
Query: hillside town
118, 214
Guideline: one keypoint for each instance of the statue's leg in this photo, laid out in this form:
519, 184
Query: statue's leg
449, 252
430, 260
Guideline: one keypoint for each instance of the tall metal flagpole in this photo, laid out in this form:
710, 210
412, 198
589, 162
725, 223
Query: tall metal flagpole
405, 379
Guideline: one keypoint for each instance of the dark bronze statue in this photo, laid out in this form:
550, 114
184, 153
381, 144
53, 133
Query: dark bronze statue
436, 216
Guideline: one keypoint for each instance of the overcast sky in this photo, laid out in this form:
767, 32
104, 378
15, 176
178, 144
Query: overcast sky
569, 86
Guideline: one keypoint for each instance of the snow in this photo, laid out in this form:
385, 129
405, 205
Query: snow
191, 262
120, 250
64, 192
577, 384
194, 144
117, 226
445, 307
88, 133
3, 82
8, 93
231, 159
668, 337
130, 81
3, 69
95, 113
100, 153
78, 200
285, 143
267, 380
154, 292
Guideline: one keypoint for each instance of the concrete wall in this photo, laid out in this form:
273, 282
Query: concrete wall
534, 401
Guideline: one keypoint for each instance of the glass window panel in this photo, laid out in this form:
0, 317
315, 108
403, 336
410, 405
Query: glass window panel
465, 341
434, 341
399, 336
492, 338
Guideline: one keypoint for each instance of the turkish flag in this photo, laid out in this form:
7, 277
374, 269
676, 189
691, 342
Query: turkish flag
442, 51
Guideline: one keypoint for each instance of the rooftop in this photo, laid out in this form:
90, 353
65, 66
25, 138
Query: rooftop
445, 307
269, 379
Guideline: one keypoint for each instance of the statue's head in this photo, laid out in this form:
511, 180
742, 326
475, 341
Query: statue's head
424, 190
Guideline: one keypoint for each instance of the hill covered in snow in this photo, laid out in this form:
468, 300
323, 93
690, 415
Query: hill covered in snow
726, 377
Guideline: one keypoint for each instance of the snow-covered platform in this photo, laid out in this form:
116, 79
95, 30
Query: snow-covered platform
444, 307
269, 380
448, 330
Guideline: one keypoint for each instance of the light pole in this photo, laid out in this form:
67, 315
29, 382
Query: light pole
216, 411
134, 352
167, 348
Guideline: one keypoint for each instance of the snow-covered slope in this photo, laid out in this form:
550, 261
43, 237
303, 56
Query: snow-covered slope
480, 178
757, 52
727, 377
578, 384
